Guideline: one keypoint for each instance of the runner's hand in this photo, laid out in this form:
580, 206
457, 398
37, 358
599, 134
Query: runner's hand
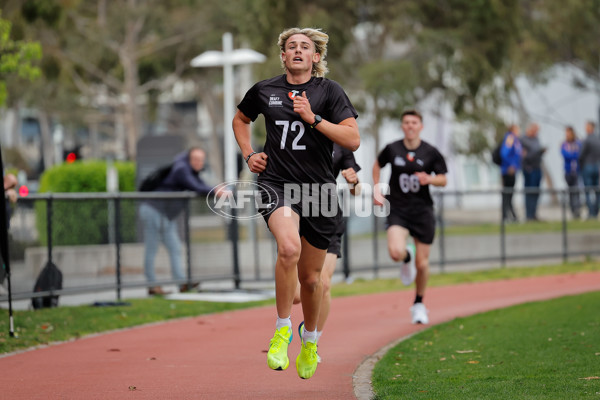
258, 162
302, 107
350, 175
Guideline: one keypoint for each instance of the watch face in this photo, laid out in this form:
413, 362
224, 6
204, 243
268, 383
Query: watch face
318, 118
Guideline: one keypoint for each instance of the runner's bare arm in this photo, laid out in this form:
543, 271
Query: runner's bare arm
241, 129
428, 179
377, 196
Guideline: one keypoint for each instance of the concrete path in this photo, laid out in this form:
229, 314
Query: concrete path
223, 356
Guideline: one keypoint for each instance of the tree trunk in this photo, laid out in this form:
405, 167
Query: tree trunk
47, 142
216, 150
131, 85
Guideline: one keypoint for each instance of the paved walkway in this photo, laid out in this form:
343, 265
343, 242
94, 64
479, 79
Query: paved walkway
223, 356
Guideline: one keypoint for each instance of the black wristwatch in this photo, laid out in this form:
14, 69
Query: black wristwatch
317, 120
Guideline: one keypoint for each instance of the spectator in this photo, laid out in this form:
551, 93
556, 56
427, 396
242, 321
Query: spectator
159, 217
589, 160
510, 153
532, 170
570, 149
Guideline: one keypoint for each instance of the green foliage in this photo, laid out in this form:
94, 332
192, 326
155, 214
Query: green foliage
465, 52
16, 58
84, 222
542, 350
560, 32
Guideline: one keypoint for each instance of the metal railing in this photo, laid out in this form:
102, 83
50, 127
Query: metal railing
94, 238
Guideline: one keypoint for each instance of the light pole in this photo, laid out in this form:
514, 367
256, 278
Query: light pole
227, 59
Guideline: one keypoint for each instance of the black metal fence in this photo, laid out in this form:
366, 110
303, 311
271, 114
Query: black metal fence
96, 241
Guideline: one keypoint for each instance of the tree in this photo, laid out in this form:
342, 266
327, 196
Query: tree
16, 58
562, 32
456, 51
120, 54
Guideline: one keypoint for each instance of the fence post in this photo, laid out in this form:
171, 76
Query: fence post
442, 231
117, 203
186, 230
503, 233
565, 198
234, 237
375, 247
49, 226
346, 250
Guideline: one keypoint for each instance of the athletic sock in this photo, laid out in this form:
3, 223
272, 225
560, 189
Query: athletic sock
281, 322
418, 299
309, 336
407, 258
319, 333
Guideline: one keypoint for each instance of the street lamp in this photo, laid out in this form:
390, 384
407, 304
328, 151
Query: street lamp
227, 59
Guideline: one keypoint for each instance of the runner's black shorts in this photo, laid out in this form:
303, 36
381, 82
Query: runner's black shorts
335, 246
318, 212
419, 222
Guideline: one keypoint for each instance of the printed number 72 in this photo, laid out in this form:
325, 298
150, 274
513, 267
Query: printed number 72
297, 126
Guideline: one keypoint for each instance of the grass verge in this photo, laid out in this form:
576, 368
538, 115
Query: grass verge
40, 327
542, 350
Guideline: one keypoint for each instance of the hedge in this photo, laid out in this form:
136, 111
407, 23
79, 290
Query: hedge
80, 222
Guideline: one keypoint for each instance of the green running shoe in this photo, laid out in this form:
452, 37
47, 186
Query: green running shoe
307, 361
277, 357
300, 329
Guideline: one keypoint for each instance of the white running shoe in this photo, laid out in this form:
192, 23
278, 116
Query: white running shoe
408, 271
419, 314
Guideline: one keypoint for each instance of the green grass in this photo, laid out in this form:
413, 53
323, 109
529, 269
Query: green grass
362, 286
529, 227
494, 228
542, 350
40, 327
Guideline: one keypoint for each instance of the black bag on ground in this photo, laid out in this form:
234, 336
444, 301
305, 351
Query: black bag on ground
155, 178
50, 278
496, 157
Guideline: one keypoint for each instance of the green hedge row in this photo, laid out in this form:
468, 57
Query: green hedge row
80, 222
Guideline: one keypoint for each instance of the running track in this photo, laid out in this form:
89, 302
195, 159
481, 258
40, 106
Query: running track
223, 356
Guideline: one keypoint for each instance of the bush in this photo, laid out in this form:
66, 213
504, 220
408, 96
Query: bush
78, 222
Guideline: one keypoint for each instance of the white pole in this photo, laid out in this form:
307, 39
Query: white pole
229, 151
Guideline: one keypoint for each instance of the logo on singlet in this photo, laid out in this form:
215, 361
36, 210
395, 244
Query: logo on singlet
410, 156
399, 161
275, 101
293, 93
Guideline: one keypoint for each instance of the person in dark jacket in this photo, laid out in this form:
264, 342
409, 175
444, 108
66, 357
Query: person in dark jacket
589, 161
532, 169
159, 216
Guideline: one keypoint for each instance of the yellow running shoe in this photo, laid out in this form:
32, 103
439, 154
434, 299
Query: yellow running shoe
277, 357
307, 360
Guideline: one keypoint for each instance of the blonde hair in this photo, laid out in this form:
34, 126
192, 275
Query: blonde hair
318, 37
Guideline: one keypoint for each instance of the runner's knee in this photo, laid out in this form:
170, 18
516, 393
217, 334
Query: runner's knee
310, 282
397, 255
288, 251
